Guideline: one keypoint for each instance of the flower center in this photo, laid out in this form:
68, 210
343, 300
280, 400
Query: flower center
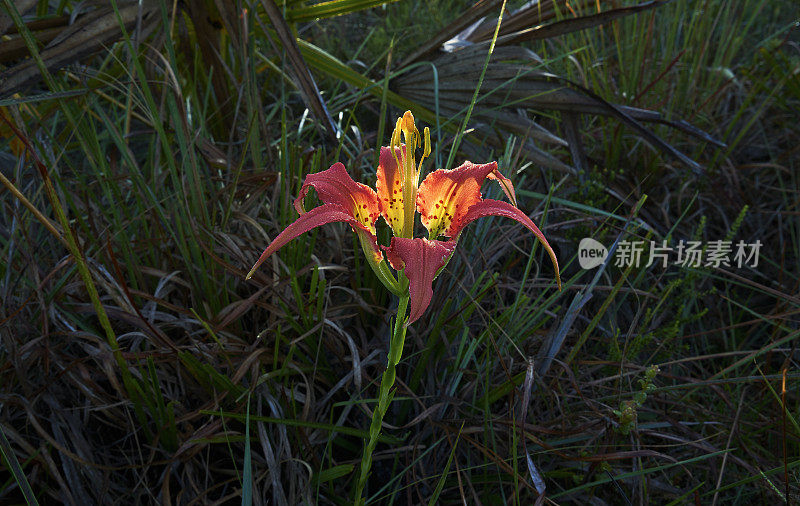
408, 167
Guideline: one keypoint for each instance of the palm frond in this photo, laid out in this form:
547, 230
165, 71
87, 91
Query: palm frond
517, 81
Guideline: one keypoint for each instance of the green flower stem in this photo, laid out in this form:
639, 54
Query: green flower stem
379, 268
387, 278
384, 396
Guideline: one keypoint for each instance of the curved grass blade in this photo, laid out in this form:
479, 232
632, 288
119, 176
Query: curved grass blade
331, 9
440, 484
16, 470
247, 467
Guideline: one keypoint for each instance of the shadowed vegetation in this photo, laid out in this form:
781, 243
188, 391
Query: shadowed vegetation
149, 151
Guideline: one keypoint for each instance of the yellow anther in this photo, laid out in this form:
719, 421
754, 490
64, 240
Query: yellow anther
408, 123
398, 128
410, 131
395, 142
426, 149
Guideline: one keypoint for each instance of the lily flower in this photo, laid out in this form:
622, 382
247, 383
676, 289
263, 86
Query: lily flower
344, 200
447, 201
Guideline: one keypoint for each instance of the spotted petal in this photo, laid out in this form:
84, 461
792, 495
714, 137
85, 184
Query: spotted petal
491, 207
445, 196
422, 259
390, 184
335, 186
322, 215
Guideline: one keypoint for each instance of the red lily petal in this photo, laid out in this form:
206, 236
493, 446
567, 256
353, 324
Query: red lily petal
505, 184
322, 215
421, 260
390, 188
445, 196
335, 186
491, 207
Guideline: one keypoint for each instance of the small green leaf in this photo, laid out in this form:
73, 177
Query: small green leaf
332, 473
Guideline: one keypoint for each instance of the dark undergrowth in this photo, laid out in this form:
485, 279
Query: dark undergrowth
143, 180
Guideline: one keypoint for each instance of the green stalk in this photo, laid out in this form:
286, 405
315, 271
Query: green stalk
384, 396
379, 268
409, 187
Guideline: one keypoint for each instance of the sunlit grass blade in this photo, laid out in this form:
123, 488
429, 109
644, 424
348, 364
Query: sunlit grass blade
330, 9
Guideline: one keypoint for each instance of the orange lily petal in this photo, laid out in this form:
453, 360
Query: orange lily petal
322, 215
335, 186
390, 188
491, 207
422, 259
445, 196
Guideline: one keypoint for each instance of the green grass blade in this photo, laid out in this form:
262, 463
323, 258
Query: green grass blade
331, 9
247, 466
16, 470
440, 484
